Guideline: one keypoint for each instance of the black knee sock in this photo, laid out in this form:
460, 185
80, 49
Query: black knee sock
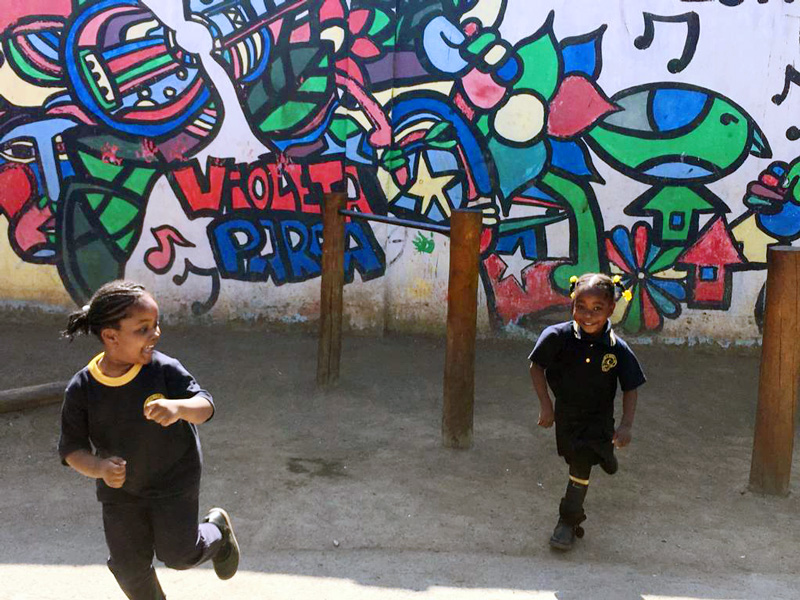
571, 507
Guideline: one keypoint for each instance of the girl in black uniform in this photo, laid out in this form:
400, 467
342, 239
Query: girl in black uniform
581, 361
129, 421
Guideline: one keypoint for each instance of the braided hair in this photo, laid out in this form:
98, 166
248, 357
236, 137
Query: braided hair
107, 307
612, 289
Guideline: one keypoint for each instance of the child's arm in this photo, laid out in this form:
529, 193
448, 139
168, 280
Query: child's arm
546, 414
112, 470
622, 436
196, 410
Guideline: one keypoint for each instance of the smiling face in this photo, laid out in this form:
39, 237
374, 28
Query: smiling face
133, 341
591, 309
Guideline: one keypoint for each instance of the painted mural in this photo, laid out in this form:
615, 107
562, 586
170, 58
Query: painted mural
416, 108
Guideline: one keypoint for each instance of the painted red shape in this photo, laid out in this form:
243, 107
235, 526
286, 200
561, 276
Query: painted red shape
201, 193
16, 183
160, 258
331, 9
511, 301
714, 248
275, 29
577, 105
364, 48
16, 9
652, 320
356, 20
301, 34
483, 91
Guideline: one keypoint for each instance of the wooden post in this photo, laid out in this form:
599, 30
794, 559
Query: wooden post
462, 313
780, 365
330, 306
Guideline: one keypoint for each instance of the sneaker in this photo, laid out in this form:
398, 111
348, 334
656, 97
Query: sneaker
564, 535
226, 561
611, 465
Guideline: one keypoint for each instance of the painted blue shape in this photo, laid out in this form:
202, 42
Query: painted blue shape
676, 221
261, 67
671, 287
406, 202
406, 109
708, 273
676, 108
363, 253
441, 160
507, 244
434, 214
44, 46
237, 259
678, 170
785, 224
526, 165
509, 70
580, 57
535, 192
301, 263
569, 156
623, 244
777, 170
441, 40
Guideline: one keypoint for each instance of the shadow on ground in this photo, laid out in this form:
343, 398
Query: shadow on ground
353, 485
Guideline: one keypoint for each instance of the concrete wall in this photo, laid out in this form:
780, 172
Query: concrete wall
188, 147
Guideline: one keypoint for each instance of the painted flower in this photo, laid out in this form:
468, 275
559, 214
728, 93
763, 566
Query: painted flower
646, 271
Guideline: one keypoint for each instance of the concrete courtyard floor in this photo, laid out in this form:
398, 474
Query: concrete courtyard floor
348, 494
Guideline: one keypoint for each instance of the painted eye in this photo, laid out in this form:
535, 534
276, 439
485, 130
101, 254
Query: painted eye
21, 151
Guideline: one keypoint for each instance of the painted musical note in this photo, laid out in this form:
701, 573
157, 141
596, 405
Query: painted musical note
692, 20
161, 258
200, 308
790, 76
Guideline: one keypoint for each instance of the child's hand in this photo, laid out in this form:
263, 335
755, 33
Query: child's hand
113, 470
622, 436
546, 417
164, 412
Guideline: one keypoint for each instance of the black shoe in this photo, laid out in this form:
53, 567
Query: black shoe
610, 466
226, 561
564, 535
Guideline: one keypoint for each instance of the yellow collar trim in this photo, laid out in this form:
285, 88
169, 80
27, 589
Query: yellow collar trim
94, 371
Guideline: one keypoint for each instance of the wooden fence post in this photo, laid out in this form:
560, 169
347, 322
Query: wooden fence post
330, 306
773, 440
462, 313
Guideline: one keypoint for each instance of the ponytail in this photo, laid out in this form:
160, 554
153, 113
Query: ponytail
107, 307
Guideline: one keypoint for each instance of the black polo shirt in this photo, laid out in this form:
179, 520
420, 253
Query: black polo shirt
583, 370
105, 415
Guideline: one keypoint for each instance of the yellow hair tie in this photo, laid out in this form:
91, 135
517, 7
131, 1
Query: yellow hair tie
573, 279
628, 295
617, 279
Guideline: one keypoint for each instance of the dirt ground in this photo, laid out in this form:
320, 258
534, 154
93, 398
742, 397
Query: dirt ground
348, 494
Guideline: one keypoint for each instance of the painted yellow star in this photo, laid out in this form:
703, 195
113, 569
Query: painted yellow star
430, 188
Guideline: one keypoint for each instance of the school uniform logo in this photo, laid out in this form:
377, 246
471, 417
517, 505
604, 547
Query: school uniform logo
153, 398
609, 362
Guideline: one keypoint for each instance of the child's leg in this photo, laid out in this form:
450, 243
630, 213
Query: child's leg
570, 511
130, 543
179, 541
571, 508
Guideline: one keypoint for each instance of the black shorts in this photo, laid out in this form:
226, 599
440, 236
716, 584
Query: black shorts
588, 440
